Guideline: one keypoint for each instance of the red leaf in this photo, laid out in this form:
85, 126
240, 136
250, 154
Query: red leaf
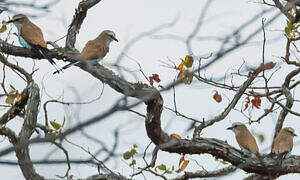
156, 77
151, 80
217, 97
247, 102
269, 65
256, 102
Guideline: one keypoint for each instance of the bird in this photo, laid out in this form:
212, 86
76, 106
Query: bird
244, 138
94, 50
30, 36
283, 142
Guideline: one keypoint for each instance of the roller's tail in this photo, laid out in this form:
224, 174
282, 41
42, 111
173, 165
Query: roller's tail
66, 66
44, 53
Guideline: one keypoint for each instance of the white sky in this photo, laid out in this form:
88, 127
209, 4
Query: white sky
127, 20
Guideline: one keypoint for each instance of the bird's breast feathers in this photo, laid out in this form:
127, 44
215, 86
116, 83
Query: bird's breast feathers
93, 51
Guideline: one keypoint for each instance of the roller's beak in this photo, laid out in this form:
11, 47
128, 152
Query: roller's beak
295, 134
10, 21
115, 39
230, 128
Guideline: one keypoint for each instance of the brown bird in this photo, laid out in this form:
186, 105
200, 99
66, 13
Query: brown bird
283, 142
30, 36
244, 138
94, 50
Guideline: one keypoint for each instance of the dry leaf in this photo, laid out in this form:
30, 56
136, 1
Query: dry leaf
181, 160
185, 76
217, 97
184, 165
154, 77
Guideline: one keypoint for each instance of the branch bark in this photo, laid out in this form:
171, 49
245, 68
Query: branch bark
21, 146
80, 14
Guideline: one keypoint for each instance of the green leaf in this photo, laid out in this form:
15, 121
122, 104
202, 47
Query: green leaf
224, 162
135, 146
162, 167
133, 152
132, 163
3, 28
127, 155
55, 125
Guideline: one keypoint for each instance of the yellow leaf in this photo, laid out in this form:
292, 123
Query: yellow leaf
55, 125
188, 61
180, 67
19, 97
10, 99
184, 165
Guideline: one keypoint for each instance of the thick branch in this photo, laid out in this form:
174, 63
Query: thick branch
80, 14
22, 150
289, 101
283, 10
221, 149
207, 174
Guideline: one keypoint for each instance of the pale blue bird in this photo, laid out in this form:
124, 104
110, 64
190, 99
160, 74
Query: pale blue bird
30, 36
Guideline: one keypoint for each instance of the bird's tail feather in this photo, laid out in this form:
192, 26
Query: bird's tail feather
44, 52
67, 66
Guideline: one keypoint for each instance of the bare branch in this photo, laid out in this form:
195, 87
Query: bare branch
207, 174
21, 147
80, 14
289, 102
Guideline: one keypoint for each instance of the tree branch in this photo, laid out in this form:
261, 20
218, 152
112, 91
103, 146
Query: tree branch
21, 146
80, 14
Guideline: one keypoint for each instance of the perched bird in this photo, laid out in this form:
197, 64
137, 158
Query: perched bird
244, 138
31, 36
283, 142
94, 50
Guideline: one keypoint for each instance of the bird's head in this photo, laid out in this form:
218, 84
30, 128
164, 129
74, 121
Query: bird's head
237, 127
290, 131
110, 35
18, 19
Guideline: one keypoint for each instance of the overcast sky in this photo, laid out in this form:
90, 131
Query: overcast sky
128, 19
